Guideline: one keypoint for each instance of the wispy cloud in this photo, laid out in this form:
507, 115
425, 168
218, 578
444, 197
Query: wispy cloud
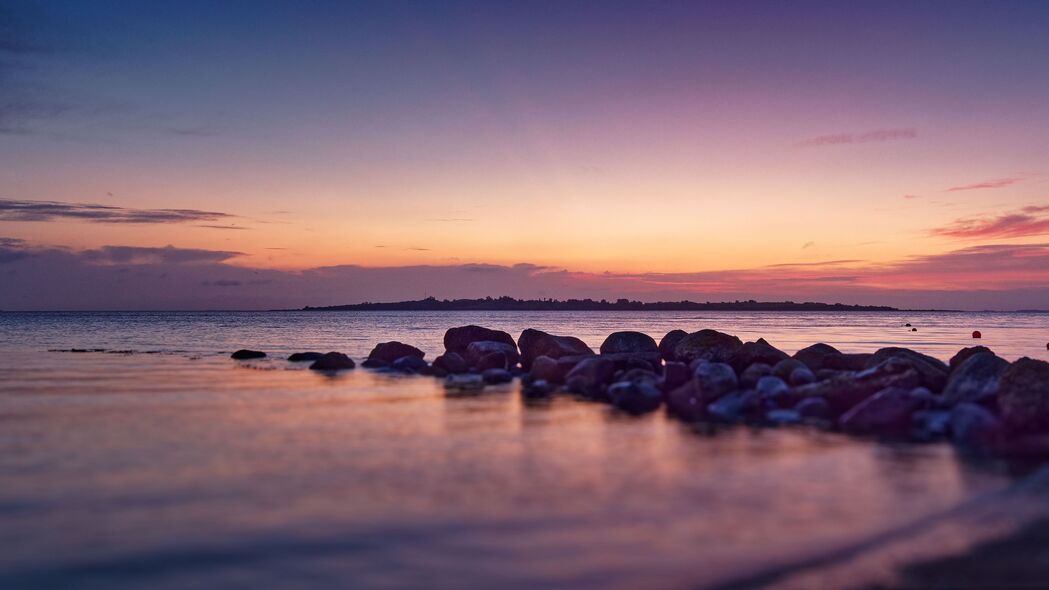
15, 210
910, 197
135, 255
807, 245
1029, 221
861, 137
996, 183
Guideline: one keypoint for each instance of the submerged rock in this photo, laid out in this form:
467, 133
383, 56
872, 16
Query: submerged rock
534, 343
669, 342
632, 342
333, 361
975, 379
299, 357
459, 339
707, 345
387, 352
245, 354
1023, 396
635, 397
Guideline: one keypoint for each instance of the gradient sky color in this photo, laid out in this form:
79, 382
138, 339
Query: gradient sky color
276, 154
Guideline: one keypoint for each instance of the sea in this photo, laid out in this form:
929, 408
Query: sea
134, 453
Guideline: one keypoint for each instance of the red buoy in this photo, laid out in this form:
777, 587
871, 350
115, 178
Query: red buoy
977, 334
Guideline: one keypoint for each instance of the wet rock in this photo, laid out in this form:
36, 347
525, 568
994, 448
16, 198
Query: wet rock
686, 402
748, 379
974, 426
772, 387
299, 357
714, 379
932, 371
449, 363
492, 360
815, 408
387, 352
733, 406
629, 342
374, 364
846, 361
784, 368
846, 390
458, 339
887, 412
475, 351
637, 375
1023, 396
548, 369
931, 424
669, 343
590, 376
707, 345
813, 356
758, 351
494, 376
464, 382
675, 375
635, 360
537, 388
635, 397
801, 376
245, 354
977, 334
964, 354
534, 343
975, 379
332, 361
411, 365
782, 417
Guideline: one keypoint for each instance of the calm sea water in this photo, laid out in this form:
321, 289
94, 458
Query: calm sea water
167, 465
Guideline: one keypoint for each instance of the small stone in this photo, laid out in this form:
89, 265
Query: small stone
245, 354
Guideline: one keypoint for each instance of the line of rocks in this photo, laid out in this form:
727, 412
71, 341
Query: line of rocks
978, 400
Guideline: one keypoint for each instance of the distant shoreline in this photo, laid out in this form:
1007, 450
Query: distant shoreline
511, 304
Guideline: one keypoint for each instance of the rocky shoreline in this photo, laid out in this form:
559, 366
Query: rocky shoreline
977, 400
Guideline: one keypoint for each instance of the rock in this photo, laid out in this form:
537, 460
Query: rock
299, 357
669, 343
464, 382
449, 363
458, 339
590, 376
714, 379
635, 360
494, 376
758, 351
932, 371
547, 369
784, 368
637, 375
387, 352
975, 426
475, 351
492, 360
687, 403
815, 408
732, 406
846, 361
374, 364
534, 343
748, 379
782, 417
411, 365
977, 334
245, 354
707, 345
772, 387
801, 376
964, 354
635, 397
675, 375
975, 379
813, 356
537, 388
931, 424
332, 361
1023, 396
846, 390
629, 342
886, 412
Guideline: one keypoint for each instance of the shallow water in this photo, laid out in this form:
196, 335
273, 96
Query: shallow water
184, 468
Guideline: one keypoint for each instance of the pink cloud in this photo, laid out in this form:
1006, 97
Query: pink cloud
863, 137
1029, 221
997, 183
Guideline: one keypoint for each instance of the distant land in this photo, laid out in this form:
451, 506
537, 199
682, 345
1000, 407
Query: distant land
511, 304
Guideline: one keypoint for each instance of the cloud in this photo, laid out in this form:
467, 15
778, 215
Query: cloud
997, 183
111, 255
1028, 221
863, 137
14, 210
807, 245
911, 197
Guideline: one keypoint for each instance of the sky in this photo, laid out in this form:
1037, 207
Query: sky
252, 154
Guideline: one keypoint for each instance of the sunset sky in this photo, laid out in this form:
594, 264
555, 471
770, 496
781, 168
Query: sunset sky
190, 155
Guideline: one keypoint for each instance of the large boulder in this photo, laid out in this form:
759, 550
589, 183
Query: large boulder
843, 392
629, 342
591, 376
479, 349
669, 342
932, 371
535, 343
975, 379
385, 353
1023, 396
635, 397
298, 357
759, 351
707, 345
714, 379
962, 355
333, 361
449, 363
813, 356
887, 412
458, 339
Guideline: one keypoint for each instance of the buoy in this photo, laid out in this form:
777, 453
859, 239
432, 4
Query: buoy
906, 325
914, 329
977, 334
